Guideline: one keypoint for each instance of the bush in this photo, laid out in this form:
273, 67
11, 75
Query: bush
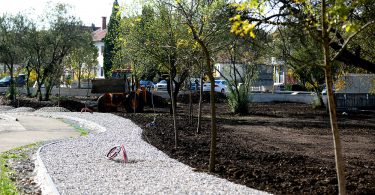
295, 87
238, 103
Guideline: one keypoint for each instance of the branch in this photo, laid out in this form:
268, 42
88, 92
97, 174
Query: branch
267, 19
350, 38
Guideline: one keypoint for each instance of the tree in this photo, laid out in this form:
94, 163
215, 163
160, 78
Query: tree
251, 15
335, 23
156, 41
47, 46
205, 20
301, 53
241, 55
11, 51
110, 39
83, 57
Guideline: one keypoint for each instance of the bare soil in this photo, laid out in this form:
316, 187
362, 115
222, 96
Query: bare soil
281, 148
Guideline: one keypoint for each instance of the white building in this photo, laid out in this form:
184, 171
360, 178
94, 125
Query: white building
98, 38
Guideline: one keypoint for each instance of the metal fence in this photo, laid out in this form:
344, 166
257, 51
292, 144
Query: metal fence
355, 101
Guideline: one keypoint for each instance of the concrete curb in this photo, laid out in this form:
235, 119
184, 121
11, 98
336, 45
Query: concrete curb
42, 177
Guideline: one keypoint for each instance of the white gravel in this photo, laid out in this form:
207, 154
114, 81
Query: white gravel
22, 109
5, 108
79, 165
52, 109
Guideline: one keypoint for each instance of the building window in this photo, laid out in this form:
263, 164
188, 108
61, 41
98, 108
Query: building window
101, 71
102, 50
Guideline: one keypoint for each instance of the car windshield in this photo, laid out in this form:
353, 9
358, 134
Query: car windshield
7, 78
163, 82
221, 82
143, 82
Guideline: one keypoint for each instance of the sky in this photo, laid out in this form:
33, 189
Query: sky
89, 11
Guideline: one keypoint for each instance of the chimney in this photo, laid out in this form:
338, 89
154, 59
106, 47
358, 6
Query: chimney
104, 22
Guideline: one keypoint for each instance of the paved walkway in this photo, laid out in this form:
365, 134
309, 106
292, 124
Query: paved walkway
20, 130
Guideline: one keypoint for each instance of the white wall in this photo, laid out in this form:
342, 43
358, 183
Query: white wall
99, 71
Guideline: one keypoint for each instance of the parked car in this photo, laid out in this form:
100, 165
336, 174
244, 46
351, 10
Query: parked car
220, 86
5, 82
194, 87
194, 84
162, 85
147, 84
324, 91
20, 81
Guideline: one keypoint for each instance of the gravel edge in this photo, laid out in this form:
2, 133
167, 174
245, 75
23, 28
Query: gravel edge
42, 177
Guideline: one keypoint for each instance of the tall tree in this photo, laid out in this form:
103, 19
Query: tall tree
157, 38
113, 32
47, 46
83, 57
206, 22
11, 50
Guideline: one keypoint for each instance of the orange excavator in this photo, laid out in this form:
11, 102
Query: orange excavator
117, 93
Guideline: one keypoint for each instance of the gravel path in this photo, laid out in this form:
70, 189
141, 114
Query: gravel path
79, 165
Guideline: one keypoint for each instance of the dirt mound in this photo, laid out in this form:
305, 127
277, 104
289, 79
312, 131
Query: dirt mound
74, 105
184, 98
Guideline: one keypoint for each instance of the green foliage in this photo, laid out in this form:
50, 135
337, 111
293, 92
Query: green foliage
11, 92
11, 51
302, 55
155, 43
239, 102
48, 43
7, 186
113, 32
82, 59
82, 131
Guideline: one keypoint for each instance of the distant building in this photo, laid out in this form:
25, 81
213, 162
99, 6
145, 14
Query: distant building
98, 38
271, 76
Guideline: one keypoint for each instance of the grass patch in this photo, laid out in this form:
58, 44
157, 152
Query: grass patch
81, 130
7, 185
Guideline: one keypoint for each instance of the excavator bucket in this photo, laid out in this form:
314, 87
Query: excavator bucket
110, 86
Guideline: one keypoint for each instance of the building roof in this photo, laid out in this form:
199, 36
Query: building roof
98, 35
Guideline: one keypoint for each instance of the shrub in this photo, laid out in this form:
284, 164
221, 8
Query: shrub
238, 102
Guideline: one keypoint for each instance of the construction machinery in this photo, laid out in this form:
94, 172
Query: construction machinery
118, 93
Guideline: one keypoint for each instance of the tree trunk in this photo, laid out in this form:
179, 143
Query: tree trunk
173, 102
213, 123
212, 162
200, 104
46, 95
320, 99
39, 92
11, 84
28, 72
331, 105
190, 107
79, 78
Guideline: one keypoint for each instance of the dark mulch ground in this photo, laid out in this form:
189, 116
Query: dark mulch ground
282, 148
